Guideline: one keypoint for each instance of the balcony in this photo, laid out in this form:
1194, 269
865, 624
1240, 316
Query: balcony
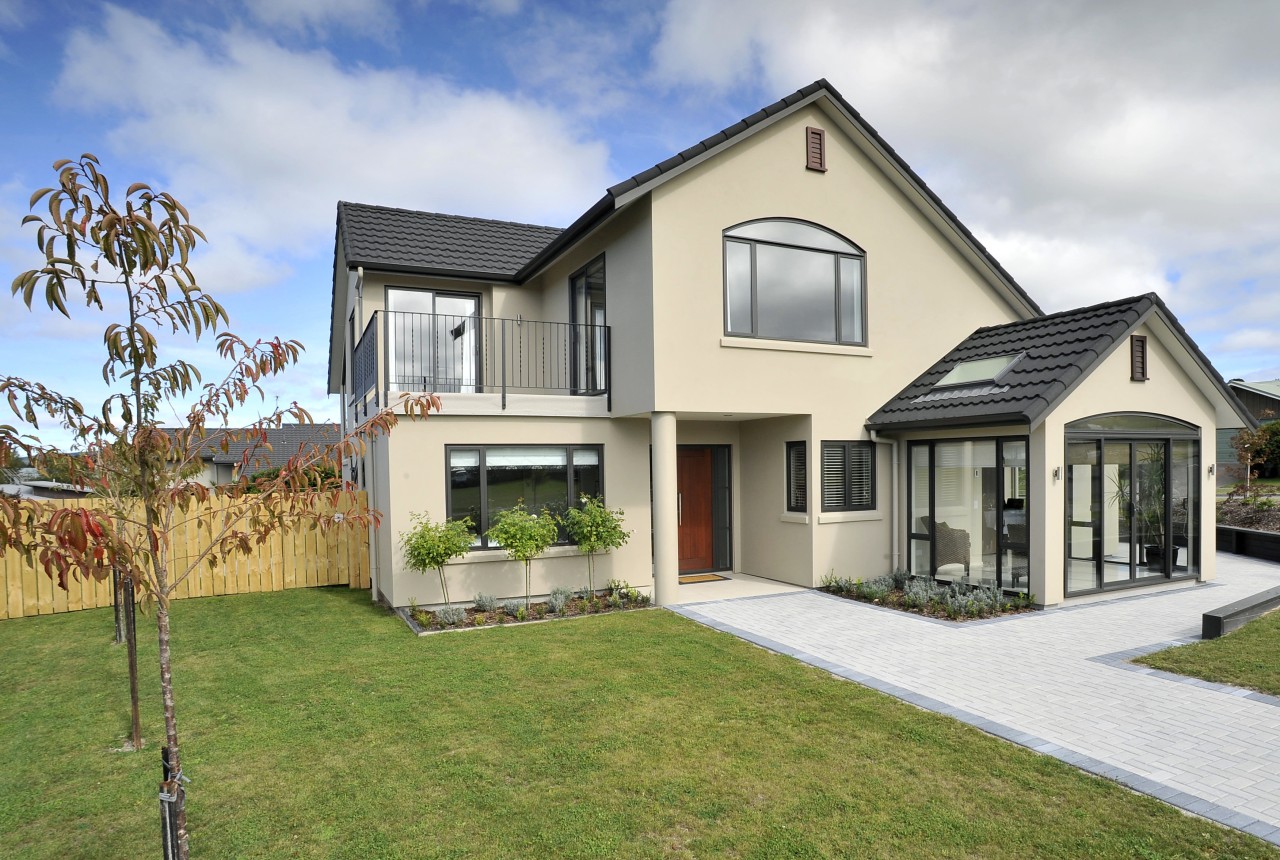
482, 364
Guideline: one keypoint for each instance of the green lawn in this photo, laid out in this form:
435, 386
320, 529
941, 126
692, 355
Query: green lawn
316, 726
1249, 657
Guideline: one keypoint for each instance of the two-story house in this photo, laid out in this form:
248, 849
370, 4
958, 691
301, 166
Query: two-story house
780, 354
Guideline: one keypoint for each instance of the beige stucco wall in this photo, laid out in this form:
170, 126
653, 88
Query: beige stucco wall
1169, 391
417, 481
923, 297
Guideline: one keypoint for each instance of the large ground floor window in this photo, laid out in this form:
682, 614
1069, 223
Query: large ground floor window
1133, 493
969, 512
485, 480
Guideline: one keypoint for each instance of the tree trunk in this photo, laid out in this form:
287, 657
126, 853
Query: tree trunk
170, 716
131, 640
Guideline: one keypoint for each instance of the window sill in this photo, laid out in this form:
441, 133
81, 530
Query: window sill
850, 516
480, 556
795, 346
792, 517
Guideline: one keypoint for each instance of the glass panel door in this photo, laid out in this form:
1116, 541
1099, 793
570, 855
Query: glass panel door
433, 340
1151, 507
587, 318
1083, 552
1118, 553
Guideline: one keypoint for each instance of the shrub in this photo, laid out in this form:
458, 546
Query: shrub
595, 528
478, 619
524, 536
429, 546
559, 599
447, 616
522, 614
540, 610
486, 602
511, 607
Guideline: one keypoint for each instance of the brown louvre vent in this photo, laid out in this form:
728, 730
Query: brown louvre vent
1138, 358
815, 146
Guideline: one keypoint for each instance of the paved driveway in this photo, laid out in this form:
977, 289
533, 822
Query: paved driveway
1059, 682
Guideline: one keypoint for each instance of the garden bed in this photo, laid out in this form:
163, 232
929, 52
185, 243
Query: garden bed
487, 611
922, 596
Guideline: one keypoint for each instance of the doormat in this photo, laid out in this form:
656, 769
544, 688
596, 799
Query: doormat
690, 578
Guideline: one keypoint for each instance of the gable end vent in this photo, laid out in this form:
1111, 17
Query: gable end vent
815, 147
1138, 358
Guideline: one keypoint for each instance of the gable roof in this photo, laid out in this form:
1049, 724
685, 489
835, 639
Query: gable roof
1057, 351
621, 193
432, 243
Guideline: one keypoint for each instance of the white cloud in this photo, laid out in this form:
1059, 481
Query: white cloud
1096, 148
261, 141
375, 18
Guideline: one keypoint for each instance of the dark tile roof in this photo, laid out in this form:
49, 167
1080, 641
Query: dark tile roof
1057, 350
284, 441
404, 240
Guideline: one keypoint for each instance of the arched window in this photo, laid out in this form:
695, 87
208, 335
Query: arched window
792, 280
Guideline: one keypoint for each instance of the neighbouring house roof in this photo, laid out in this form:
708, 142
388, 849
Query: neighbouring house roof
1269, 388
431, 243
1057, 351
284, 441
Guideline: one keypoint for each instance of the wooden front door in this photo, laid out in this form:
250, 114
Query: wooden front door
693, 482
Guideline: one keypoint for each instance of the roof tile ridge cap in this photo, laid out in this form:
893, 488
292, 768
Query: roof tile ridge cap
450, 215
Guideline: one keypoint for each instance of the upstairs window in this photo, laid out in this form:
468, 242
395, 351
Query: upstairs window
791, 280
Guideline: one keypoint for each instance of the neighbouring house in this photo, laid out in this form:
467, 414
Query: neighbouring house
1262, 399
782, 355
223, 467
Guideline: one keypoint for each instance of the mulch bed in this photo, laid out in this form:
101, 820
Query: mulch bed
894, 600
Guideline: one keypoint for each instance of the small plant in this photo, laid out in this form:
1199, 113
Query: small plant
615, 600
584, 593
524, 536
595, 528
642, 599
522, 614
430, 546
448, 616
421, 616
478, 619
540, 610
486, 602
559, 599
511, 607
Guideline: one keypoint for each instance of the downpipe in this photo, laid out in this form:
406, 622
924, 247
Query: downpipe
894, 546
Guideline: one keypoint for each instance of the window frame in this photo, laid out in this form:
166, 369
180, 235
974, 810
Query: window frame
482, 541
802, 506
859, 256
848, 446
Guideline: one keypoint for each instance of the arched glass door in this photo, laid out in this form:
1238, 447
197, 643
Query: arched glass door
1132, 493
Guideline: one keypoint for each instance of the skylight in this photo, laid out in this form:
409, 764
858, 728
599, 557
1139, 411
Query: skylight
978, 370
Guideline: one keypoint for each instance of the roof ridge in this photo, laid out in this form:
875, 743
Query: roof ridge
450, 216
1088, 309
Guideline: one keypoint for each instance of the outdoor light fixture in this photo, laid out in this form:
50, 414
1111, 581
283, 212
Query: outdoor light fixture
1211, 465
1057, 472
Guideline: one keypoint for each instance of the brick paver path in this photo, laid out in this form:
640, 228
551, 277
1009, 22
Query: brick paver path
1059, 682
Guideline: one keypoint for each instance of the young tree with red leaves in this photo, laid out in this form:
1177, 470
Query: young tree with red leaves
132, 253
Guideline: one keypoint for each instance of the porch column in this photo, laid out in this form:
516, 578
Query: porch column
666, 533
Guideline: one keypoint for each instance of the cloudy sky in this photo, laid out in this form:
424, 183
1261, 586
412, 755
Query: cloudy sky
1099, 149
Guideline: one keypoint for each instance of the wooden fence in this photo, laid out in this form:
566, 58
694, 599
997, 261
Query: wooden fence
296, 558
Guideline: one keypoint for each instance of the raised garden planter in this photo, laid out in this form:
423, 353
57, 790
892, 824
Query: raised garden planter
618, 598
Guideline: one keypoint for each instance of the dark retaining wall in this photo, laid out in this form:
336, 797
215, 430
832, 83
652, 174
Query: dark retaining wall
1250, 542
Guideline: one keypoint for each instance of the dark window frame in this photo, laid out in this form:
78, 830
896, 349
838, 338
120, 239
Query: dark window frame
798, 505
860, 258
482, 541
1003, 543
577, 384
848, 446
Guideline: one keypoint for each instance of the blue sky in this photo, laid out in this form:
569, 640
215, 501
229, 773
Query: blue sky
1099, 150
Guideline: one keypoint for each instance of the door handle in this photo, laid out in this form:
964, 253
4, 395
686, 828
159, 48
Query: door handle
679, 509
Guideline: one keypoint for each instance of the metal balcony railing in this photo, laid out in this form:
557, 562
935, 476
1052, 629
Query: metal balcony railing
444, 353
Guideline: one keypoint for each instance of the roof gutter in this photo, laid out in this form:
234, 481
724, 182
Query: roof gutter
586, 222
